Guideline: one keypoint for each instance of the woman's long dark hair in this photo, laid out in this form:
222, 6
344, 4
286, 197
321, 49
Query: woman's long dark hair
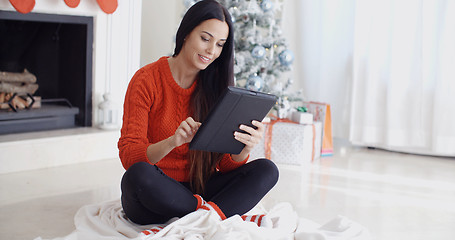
212, 81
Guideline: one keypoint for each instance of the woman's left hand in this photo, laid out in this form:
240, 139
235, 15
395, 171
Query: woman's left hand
251, 138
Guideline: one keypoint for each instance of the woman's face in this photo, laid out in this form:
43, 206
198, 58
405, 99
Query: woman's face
205, 43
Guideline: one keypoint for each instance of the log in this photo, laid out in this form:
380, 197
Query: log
37, 103
24, 77
4, 102
4, 106
18, 102
4, 97
18, 88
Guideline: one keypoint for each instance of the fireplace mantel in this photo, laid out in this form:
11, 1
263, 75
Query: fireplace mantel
116, 56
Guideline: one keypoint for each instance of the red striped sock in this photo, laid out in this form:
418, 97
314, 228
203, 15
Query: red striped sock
217, 209
261, 220
201, 204
200, 201
152, 231
209, 206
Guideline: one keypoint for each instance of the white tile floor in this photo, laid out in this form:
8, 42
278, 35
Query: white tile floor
396, 196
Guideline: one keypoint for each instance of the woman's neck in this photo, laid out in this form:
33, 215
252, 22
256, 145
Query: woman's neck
183, 75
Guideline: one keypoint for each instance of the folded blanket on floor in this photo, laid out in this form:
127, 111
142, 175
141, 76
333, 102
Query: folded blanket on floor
106, 221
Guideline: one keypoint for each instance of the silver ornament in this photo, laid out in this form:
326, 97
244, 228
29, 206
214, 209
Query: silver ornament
286, 57
258, 52
255, 83
266, 5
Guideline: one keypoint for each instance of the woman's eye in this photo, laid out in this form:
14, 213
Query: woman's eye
204, 39
220, 44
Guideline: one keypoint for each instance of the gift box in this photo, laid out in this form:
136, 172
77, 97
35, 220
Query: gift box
288, 142
321, 113
302, 117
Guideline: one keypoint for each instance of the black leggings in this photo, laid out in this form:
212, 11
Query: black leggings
149, 196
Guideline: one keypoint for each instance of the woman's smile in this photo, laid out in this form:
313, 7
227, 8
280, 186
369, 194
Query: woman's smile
204, 59
205, 43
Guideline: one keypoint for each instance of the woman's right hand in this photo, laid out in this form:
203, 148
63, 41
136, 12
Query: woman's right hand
185, 132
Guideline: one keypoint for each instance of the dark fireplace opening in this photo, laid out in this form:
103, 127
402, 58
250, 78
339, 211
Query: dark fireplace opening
57, 49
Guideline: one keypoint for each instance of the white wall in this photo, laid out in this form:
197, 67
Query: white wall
160, 20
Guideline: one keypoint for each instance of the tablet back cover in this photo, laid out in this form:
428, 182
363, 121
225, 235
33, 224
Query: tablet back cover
236, 106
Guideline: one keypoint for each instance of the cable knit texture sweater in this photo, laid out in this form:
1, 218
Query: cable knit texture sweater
154, 107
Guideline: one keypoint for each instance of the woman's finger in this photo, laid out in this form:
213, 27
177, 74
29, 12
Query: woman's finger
245, 138
193, 124
260, 126
257, 133
241, 137
181, 132
247, 129
186, 127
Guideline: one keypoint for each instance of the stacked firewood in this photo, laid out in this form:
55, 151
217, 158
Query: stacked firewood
17, 89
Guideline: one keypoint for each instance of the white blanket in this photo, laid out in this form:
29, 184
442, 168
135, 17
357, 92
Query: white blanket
106, 221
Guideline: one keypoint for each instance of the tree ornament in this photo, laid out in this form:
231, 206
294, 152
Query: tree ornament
258, 52
266, 5
255, 83
245, 18
233, 19
286, 57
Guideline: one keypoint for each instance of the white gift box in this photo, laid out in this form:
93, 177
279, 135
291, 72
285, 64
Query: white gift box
291, 143
302, 117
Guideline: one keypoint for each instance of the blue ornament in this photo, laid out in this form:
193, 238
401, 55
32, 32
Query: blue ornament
233, 20
255, 83
286, 57
266, 5
258, 52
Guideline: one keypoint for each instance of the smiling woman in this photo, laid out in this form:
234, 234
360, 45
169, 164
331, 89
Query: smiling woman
200, 48
165, 103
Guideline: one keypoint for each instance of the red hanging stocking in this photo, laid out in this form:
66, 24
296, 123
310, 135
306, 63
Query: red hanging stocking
72, 3
23, 6
108, 6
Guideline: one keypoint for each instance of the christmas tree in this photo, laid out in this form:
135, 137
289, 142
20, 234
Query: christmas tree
263, 60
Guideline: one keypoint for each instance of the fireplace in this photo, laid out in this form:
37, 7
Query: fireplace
113, 61
57, 49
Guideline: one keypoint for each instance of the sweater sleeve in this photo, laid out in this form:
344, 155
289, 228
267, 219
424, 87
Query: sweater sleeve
228, 164
133, 141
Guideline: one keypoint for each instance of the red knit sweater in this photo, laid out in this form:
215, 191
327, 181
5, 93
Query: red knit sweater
154, 107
